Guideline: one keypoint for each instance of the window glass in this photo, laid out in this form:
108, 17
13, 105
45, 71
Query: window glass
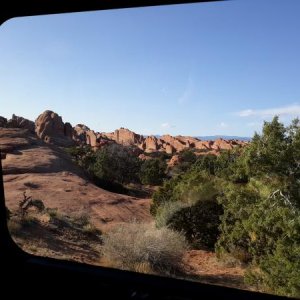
161, 140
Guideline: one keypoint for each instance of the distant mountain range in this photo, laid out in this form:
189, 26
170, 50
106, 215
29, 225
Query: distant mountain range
215, 137
224, 137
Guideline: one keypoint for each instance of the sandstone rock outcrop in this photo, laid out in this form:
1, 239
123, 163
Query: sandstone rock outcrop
175, 160
169, 149
79, 133
13, 138
125, 137
91, 138
46, 172
151, 144
50, 128
221, 144
68, 130
20, 122
174, 142
171, 144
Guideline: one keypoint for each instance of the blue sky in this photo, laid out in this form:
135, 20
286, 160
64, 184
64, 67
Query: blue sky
197, 69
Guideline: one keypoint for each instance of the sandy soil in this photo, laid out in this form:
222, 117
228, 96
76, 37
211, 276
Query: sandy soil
48, 173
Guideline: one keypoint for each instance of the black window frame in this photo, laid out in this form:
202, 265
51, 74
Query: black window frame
30, 273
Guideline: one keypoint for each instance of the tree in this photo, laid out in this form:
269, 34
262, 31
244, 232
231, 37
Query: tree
199, 223
270, 152
186, 159
116, 163
152, 171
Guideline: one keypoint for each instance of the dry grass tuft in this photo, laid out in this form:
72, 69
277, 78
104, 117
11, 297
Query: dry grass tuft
144, 248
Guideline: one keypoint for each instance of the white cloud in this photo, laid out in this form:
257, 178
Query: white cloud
188, 91
290, 110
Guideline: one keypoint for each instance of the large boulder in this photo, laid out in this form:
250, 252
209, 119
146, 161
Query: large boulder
20, 122
50, 128
79, 134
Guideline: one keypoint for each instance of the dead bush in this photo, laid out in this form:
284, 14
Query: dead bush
133, 245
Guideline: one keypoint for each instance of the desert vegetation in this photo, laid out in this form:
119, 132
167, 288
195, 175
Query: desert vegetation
114, 167
142, 247
245, 204
48, 232
238, 203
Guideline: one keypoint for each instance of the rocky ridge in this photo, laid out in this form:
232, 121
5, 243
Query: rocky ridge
50, 128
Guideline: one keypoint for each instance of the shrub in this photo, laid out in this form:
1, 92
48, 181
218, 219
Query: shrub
199, 223
27, 203
206, 163
152, 171
133, 245
195, 186
278, 272
116, 163
164, 194
166, 211
82, 219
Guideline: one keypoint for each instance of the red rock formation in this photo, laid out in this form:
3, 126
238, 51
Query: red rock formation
221, 144
169, 149
125, 137
20, 122
174, 142
50, 128
189, 141
68, 130
170, 144
91, 138
151, 144
175, 160
203, 145
79, 133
